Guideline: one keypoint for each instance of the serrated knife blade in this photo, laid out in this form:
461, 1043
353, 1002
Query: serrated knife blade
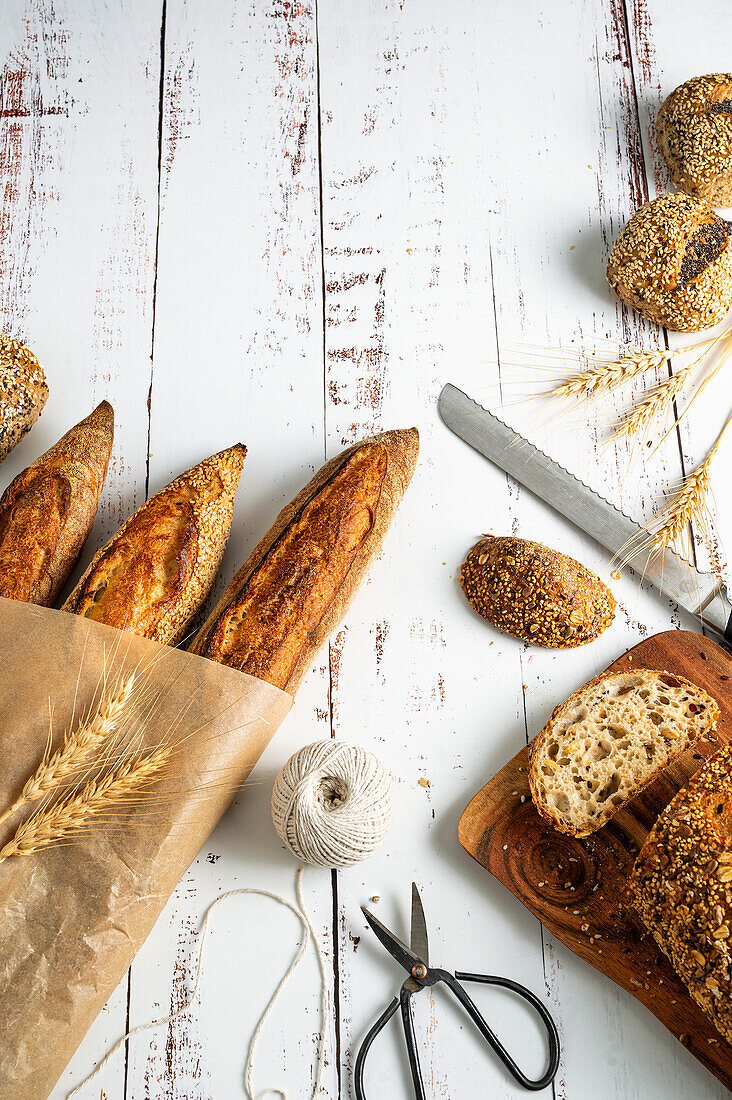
698, 592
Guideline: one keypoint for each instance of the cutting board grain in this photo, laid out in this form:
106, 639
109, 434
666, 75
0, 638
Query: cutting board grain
577, 888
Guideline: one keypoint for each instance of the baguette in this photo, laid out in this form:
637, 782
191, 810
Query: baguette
681, 885
47, 511
23, 392
297, 583
155, 573
609, 740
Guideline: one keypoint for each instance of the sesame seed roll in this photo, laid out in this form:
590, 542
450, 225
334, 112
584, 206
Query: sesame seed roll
694, 128
673, 263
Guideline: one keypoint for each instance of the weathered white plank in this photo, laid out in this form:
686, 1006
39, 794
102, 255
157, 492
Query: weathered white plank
238, 356
78, 197
501, 178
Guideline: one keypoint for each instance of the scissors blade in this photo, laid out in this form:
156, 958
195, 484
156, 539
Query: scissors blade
398, 950
418, 935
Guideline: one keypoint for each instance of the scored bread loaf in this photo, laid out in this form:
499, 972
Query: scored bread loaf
23, 392
609, 740
47, 511
681, 885
154, 574
297, 583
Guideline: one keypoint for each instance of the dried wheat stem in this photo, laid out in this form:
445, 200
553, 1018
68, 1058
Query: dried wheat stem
69, 815
688, 504
653, 403
76, 749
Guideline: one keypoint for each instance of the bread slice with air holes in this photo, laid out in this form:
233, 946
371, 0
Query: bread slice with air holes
609, 740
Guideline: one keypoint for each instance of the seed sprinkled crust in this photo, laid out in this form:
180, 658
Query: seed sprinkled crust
673, 263
694, 128
536, 593
23, 392
681, 885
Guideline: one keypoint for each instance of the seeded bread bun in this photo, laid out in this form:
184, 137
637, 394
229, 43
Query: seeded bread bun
681, 885
673, 263
536, 593
154, 574
47, 511
609, 740
23, 392
694, 128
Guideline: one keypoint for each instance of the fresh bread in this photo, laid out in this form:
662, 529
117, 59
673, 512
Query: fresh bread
536, 593
681, 885
609, 740
23, 392
155, 573
47, 511
673, 263
694, 128
296, 585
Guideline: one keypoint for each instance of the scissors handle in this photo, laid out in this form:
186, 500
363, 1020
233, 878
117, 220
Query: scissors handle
403, 1001
363, 1050
453, 982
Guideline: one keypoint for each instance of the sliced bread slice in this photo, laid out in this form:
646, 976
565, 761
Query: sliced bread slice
609, 740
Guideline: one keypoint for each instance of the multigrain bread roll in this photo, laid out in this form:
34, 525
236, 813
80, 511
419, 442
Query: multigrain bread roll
536, 593
23, 392
673, 263
297, 583
694, 128
681, 885
609, 741
47, 511
154, 574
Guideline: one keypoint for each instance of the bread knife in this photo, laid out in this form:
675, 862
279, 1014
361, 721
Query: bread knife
701, 593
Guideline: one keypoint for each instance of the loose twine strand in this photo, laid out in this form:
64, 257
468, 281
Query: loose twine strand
308, 933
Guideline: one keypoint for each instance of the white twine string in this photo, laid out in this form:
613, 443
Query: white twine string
332, 803
308, 932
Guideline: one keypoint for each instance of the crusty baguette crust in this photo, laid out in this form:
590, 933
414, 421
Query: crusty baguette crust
154, 574
681, 885
536, 747
391, 457
47, 511
23, 392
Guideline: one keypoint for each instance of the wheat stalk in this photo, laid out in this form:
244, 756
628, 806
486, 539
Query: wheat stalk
69, 815
687, 505
76, 749
653, 403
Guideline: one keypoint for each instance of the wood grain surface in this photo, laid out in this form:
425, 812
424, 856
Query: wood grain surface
577, 887
290, 222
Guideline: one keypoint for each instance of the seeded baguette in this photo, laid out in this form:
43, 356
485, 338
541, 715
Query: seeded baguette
297, 584
23, 392
47, 511
536, 593
681, 885
609, 741
155, 573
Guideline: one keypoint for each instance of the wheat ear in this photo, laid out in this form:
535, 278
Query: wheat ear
688, 504
653, 403
76, 749
68, 816
611, 374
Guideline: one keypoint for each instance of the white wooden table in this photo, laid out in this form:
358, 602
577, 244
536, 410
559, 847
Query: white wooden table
290, 222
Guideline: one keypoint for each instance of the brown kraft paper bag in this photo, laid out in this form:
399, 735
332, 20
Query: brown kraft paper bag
73, 917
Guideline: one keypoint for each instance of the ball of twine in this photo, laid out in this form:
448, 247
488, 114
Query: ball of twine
332, 803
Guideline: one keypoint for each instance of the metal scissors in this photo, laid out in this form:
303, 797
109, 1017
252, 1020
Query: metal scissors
415, 960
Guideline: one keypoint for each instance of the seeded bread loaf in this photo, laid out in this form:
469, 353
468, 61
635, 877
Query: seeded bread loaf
681, 885
609, 740
673, 263
694, 128
536, 593
47, 511
155, 573
23, 392
297, 583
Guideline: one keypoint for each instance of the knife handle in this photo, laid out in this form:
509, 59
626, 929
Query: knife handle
717, 616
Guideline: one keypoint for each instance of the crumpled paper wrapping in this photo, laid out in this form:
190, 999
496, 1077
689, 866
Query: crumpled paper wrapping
73, 917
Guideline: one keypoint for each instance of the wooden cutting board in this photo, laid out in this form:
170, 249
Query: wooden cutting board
577, 888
